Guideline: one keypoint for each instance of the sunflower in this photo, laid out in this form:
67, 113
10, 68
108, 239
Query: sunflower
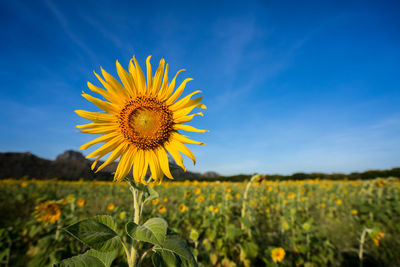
140, 121
161, 208
182, 208
48, 212
81, 202
278, 254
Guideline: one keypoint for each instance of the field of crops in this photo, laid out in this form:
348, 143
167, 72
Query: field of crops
295, 223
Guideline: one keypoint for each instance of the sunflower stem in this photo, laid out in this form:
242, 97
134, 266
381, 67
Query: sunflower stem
137, 199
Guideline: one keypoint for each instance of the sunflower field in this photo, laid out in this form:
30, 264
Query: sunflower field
254, 223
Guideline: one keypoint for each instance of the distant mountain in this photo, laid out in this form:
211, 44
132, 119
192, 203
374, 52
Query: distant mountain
70, 165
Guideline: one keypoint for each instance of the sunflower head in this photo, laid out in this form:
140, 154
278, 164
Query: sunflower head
140, 120
48, 212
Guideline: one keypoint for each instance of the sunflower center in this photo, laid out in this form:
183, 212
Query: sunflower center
146, 122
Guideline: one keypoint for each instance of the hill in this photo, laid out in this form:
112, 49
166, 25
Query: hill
70, 165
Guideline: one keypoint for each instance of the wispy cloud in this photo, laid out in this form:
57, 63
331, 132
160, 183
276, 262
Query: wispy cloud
65, 26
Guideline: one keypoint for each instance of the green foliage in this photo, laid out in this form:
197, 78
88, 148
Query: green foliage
152, 231
98, 233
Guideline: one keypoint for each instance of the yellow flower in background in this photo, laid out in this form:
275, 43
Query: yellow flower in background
211, 208
48, 212
165, 200
216, 210
110, 206
200, 199
122, 215
155, 201
140, 121
278, 254
267, 210
81, 202
182, 208
228, 190
70, 198
354, 212
264, 198
323, 205
188, 194
377, 238
237, 195
161, 208
212, 196
228, 196
197, 191
291, 195
24, 184
339, 202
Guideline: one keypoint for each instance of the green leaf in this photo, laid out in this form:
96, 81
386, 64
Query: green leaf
106, 257
98, 233
164, 259
174, 244
152, 231
82, 260
106, 220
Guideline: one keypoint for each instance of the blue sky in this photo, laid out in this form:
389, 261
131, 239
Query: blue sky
289, 86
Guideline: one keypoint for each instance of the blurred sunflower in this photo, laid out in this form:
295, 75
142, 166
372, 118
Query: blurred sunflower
278, 254
161, 208
110, 206
182, 208
140, 121
48, 212
81, 202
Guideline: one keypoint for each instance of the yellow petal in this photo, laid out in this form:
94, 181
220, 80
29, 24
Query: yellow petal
194, 102
184, 119
139, 77
118, 88
175, 155
188, 128
164, 84
102, 92
100, 139
101, 130
184, 139
182, 148
158, 77
139, 166
155, 168
106, 106
164, 164
107, 147
95, 163
126, 80
111, 90
94, 125
178, 92
171, 87
96, 116
124, 165
182, 102
149, 74
121, 149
